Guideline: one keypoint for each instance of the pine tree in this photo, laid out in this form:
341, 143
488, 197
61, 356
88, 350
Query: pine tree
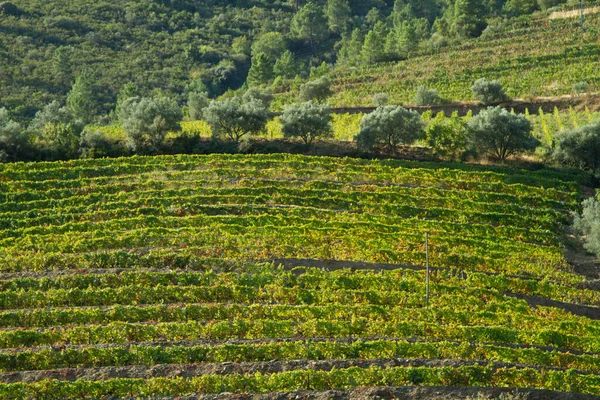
286, 66
81, 100
469, 18
61, 61
338, 15
350, 52
310, 24
374, 48
261, 70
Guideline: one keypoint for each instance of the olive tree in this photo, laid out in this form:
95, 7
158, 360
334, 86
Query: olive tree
146, 122
390, 126
579, 147
235, 118
587, 225
14, 142
489, 92
307, 121
318, 90
427, 97
56, 131
499, 134
197, 102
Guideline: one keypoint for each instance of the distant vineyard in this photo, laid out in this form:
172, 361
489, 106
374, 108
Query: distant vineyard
158, 276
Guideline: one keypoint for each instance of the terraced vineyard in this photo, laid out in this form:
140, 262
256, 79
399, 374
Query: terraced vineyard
168, 276
531, 57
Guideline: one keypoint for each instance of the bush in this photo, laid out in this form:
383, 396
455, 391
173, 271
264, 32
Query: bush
587, 225
235, 119
197, 102
427, 97
307, 121
57, 131
581, 87
499, 134
95, 143
146, 122
8, 8
380, 99
318, 90
14, 142
389, 126
265, 97
447, 136
579, 147
489, 92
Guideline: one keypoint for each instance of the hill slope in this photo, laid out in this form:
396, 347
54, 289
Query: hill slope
140, 276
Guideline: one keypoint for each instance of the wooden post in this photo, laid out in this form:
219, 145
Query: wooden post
427, 269
581, 15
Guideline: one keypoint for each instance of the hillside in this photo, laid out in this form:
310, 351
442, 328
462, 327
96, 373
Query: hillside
533, 57
161, 276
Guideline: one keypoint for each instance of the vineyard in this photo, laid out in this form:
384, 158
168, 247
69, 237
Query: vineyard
177, 275
531, 57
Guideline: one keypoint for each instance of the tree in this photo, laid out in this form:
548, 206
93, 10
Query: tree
426, 97
310, 24
373, 49
497, 133
286, 66
146, 122
380, 99
579, 147
587, 224
241, 46
61, 60
318, 90
338, 15
129, 90
447, 135
265, 97
81, 100
390, 126
307, 121
351, 49
14, 142
197, 102
489, 92
235, 119
273, 44
469, 18
261, 70
57, 130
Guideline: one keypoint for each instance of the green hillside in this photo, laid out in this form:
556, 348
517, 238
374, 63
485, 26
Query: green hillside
160, 276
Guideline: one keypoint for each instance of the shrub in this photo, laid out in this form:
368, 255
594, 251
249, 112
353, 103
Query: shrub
497, 133
307, 121
318, 90
197, 102
265, 97
14, 142
581, 87
426, 97
579, 147
447, 136
489, 92
95, 143
146, 122
380, 99
57, 131
8, 8
587, 225
234, 118
389, 126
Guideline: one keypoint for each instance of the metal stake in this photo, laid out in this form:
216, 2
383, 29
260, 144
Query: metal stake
427, 268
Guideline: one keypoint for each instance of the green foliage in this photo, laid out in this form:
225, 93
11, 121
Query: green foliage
310, 24
499, 134
146, 122
520, 7
14, 142
197, 102
286, 66
351, 49
389, 126
427, 97
380, 99
308, 121
581, 87
469, 18
579, 147
95, 143
587, 224
373, 49
234, 118
318, 90
261, 71
447, 136
338, 15
273, 44
81, 100
57, 131
488, 92
265, 97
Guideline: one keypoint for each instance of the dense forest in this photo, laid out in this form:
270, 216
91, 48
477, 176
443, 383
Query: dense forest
173, 48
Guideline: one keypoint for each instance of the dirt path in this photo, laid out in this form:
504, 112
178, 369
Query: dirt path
406, 393
228, 368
